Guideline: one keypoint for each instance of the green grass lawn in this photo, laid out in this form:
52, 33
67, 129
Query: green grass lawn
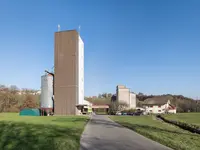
45, 133
166, 134
191, 118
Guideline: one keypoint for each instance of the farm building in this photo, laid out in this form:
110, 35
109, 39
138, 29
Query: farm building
88, 107
157, 105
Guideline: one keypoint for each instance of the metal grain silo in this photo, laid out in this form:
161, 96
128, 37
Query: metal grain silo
46, 99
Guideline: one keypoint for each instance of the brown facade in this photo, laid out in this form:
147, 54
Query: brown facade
66, 72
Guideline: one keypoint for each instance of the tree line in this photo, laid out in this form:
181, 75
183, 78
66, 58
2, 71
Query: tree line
12, 99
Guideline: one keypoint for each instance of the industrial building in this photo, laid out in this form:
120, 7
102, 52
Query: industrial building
69, 72
46, 97
125, 95
62, 91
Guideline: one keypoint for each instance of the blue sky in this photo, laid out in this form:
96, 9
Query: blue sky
150, 46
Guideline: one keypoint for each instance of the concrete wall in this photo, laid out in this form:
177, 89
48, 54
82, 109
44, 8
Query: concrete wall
124, 94
132, 100
66, 68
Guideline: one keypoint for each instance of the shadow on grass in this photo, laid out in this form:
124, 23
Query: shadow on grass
163, 136
22, 136
151, 128
133, 126
106, 123
81, 119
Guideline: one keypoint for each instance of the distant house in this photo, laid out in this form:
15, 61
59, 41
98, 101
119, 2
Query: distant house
38, 92
22, 92
159, 105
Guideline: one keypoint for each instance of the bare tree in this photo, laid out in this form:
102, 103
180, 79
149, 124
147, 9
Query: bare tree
3, 89
7, 102
13, 89
122, 106
11, 102
117, 106
30, 102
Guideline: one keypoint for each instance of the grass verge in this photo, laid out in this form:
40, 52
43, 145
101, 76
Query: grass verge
186, 126
45, 133
163, 133
190, 118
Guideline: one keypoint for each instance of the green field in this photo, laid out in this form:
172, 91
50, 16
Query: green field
163, 133
46, 133
191, 118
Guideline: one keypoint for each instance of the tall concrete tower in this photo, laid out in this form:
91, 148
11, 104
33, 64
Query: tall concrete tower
124, 95
69, 72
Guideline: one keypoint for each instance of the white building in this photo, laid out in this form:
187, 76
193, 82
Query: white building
81, 72
22, 92
158, 105
124, 95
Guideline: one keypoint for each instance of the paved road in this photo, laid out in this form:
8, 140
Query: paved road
101, 133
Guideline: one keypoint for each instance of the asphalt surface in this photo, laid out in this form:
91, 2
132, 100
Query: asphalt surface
101, 133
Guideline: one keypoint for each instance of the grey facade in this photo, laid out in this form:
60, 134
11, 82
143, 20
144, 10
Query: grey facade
125, 95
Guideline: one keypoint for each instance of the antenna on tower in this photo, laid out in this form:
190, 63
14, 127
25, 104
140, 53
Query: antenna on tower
52, 69
79, 29
58, 27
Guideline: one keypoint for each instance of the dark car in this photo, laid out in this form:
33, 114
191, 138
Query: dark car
130, 113
138, 113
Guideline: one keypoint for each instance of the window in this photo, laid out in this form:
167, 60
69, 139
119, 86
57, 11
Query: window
159, 110
159, 106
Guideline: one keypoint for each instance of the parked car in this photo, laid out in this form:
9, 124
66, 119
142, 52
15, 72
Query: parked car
118, 113
124, 113
138, 113
144, 113
130, 113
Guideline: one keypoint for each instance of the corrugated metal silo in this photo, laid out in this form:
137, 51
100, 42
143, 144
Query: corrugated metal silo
46, 92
